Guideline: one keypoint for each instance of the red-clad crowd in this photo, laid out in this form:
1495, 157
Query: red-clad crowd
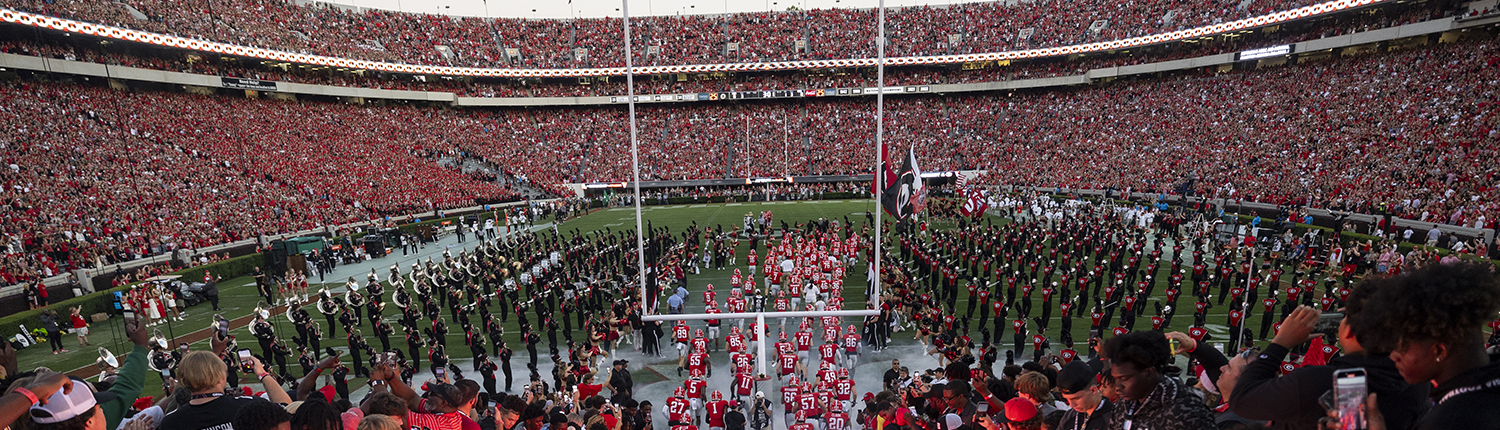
1396, 131
97, 176
665, 40
144, 56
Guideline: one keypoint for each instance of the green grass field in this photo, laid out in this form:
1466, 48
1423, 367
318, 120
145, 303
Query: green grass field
238, 295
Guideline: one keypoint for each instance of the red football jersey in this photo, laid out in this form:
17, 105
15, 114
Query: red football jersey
844, 388
789, 397
804, 340
716, 413
744, 384
677, 410
828, 351
697, 364
837, 421
694, 388
788, 363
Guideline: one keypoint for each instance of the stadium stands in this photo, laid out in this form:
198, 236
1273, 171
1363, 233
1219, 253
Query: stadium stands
697, 39
303, 164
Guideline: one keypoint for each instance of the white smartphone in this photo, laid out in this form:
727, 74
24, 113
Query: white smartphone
1349, 390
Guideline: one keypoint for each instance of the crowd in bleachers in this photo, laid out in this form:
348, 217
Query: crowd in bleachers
97, 176
695, 39
28, 43
1328, 133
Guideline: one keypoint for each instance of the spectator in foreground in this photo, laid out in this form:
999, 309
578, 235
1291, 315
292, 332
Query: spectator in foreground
1432, 320
1150, 399
1090, 410
1291, 401
206, 376
262, 416
71, 407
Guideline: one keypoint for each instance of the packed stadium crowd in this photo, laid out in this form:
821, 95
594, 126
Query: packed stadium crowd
696, 39
1331, 139
176, 60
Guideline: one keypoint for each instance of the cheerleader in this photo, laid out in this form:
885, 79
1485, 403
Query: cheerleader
154, 306
299, 285
168, 299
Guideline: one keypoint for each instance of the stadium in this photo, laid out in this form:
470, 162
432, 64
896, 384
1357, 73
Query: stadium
985, 215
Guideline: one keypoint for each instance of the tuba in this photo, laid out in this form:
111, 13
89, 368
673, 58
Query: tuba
263, 310
291, 311
400, 298
328, 305
354, 298
107, 360
158, 338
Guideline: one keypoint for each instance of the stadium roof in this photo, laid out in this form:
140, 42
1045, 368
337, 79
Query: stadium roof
601, 8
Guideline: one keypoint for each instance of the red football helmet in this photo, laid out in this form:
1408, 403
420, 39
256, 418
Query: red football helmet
782, 336
852, 329
734, 331
710, 287
843, 373
698, 333
801, 415
835, 406
717, 396
680, 392
794, 382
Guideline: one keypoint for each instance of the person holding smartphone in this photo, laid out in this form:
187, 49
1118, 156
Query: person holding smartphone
1292, 400
1445, 351
205, 376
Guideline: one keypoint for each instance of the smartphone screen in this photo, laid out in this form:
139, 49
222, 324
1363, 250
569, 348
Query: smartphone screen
1349, 391
245, 365
441, 374
129, 314
1328, 323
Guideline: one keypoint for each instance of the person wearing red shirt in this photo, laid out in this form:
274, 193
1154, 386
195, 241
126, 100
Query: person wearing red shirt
677, 409
697, 365
80, 326
829, 352
851, 348
789, 395
837, 419
801, 423
790, 366
694, 389
716, 407
804, 343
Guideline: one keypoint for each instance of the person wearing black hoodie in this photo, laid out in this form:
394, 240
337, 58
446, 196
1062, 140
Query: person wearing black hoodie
1291, 401
1432, 320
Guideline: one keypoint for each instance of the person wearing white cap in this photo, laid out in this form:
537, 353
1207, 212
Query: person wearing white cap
760, 412
74, 405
